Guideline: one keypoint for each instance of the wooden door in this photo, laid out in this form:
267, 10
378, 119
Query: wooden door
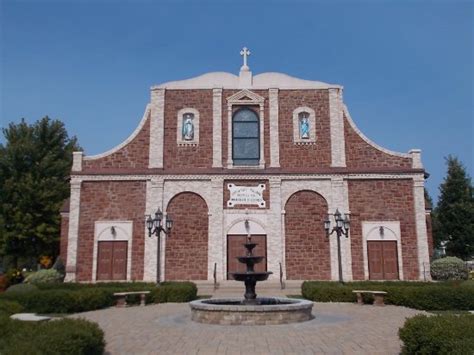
112, 260
383, 260
235, 248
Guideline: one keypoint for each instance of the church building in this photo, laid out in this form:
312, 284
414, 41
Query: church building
225, 156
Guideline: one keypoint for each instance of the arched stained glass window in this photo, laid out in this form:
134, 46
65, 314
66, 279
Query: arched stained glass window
245, 138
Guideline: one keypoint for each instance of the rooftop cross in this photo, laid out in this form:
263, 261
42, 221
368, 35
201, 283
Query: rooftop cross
245, 52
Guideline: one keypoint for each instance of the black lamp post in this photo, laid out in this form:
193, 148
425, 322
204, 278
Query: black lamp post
155, 227
341, 228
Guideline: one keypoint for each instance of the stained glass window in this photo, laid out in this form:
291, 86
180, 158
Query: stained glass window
245, 138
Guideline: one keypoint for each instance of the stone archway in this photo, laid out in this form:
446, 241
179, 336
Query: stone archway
187, 245
306, 246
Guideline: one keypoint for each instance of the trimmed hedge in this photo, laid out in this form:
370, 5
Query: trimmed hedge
449, 268
46, 276
73, 298
8, 308
418, 295
65, 336
445, 334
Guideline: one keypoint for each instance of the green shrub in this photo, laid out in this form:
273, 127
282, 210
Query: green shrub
174, 292
14, 276
65, 336
446, 334
46, 276
59, 266
419, 295
10, 307
449, 268
21, 288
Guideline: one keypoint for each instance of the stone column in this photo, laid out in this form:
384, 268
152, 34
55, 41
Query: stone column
216, 231
421, 232
157, 128
274, 138
154, 200
275, 239
338, 150
217, 128
73, 233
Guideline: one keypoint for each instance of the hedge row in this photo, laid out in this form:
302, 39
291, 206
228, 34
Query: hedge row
418, 295
445, 334
73, 298
65, 336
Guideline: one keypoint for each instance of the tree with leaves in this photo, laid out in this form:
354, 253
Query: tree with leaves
35, 164
455, 211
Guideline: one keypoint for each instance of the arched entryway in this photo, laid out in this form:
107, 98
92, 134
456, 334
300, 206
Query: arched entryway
306, 246
186, 246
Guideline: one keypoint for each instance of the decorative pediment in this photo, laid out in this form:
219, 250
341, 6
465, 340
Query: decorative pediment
245, 97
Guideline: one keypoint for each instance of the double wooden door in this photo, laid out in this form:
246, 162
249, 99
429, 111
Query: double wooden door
383, 260
112, 260
235, 248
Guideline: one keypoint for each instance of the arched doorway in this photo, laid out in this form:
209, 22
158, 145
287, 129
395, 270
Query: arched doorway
187, 244
307, 252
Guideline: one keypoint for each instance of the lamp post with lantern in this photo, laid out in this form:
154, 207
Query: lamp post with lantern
155, 227
341, 228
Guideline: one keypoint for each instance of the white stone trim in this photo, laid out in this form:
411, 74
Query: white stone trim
370, 233
77, 161
336, 119
216, 231
231, 81
157, 128
238, 227
102, 233
421, 232
244, 98
368, 141
274, 128
416, 158
179, 135
125, 142
73, 230
217, 128
296, 126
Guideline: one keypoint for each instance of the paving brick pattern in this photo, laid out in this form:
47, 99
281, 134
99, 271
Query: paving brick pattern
338, 328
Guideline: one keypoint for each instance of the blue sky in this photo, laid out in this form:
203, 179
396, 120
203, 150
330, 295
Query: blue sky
406, 66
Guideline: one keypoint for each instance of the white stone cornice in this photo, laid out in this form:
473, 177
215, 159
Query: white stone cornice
245, 97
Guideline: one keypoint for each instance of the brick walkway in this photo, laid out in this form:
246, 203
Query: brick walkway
338, 328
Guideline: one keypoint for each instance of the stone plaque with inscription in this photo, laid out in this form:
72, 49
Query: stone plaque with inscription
246, 195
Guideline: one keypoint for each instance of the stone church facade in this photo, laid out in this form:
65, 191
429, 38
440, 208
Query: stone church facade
225, 155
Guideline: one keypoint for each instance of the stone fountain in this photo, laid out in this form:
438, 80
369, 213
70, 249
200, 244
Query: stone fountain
250, 310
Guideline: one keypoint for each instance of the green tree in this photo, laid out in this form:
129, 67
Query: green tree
35, 163
455, 211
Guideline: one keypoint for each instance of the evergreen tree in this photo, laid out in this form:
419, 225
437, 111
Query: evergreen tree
35, 163
455, 211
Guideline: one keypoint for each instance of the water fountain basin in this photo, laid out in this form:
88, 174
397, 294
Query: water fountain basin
257, 276
265, 311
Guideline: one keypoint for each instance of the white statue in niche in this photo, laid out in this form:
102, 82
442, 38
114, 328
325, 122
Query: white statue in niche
188, 127
304, 127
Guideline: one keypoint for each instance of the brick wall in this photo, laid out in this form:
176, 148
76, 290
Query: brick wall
266, 193
359, 154
64, 237
307, 248
186, 246
132, 156
111, 200
199, 156
304, 156
383, 200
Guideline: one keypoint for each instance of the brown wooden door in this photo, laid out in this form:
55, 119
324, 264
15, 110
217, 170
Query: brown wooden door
383, 260
235, 248
112, 261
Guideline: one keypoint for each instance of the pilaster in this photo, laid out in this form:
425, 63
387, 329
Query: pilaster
274, 133
338, 150
275, 238
157, 128
217, 128
421, 232
216, 231
73, 232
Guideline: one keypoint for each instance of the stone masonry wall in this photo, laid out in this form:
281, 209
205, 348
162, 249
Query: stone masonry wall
359, 154
383, 200
199, 156
132, 156
311, 155
186, 246
307, 248
111, 200
63, 237
429, 231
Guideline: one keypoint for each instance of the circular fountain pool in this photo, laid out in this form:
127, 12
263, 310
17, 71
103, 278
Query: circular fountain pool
263, 311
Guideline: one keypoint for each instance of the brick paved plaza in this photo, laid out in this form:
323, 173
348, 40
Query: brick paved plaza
338, 328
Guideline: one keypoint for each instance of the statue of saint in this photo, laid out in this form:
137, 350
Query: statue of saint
188, 128
304, 128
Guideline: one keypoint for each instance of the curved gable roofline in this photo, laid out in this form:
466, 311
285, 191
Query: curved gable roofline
125, 142
230, 81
